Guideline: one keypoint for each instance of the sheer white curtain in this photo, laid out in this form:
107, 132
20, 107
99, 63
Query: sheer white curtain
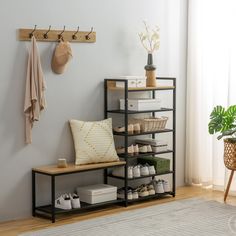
211, 80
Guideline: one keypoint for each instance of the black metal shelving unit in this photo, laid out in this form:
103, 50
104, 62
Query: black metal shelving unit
50, 211
108, 87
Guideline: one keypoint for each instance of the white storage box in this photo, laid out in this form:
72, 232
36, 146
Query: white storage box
93, 194
157, 145
141, 104
133, 81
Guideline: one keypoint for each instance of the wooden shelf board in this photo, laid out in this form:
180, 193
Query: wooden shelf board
111, 85
142, 89
54, 170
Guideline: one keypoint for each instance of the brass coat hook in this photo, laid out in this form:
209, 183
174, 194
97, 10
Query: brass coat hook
74, 35
46, 34
60, 36
87, 36
32, 33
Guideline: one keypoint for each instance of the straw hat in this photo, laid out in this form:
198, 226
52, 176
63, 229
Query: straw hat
61, 57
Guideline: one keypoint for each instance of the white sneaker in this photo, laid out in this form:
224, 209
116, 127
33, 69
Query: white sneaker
137, 128
136, 149
135, 194
143, 149
120, 172
136, 171
142, 191
129, 194
121, 193
75, 201
144, 170
121, 150
151, 189
166, 185
159, 187
130, 172
122, 129
149, 148
151, 169
63, 202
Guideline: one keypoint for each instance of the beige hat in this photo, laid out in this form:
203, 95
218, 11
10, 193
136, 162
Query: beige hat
61, 57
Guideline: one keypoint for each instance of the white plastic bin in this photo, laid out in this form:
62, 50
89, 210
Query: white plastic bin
141, 104
93, 194
133, 81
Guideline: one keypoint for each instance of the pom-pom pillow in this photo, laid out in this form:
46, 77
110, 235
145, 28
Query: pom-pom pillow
93, 141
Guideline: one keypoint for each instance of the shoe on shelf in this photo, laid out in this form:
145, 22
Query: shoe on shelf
151, 169
142, 191
121, 150
75, 201
137, 128
159, 186
144, 170
122, 129
151, 189
136, 171
130, 194
121, 193
149, 148
166, 185
130, 172
136, 149
143, 149
135, 194
120, 172
63, 202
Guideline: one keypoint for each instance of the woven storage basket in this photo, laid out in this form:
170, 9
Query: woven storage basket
230, 154
150, 124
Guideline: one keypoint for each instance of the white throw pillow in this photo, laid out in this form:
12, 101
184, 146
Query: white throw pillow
93, 141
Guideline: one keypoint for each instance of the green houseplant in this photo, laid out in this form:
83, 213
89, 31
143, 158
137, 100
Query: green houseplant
223, 121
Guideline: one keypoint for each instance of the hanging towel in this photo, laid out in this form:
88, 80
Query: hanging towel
34, 91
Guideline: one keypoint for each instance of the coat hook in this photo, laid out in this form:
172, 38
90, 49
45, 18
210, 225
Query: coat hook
74, 35
87, 36
32, 33
46, 34
60, 35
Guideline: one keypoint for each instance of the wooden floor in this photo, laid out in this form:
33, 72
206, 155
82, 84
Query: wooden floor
15, 227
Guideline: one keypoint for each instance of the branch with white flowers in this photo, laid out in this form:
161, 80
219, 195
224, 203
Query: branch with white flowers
150, 39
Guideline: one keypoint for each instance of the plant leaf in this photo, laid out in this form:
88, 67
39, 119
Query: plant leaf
217, 120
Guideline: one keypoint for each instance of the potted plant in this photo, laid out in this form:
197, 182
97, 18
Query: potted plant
223, 121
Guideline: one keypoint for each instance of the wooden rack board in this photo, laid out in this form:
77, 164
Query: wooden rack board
112, 86
53, 35
54, 170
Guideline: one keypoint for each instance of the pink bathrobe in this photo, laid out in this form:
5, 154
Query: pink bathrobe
34, 92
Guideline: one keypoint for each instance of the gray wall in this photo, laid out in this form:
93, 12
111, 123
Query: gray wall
78, 93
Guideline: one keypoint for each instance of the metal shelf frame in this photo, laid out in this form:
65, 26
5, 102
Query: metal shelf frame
125, 134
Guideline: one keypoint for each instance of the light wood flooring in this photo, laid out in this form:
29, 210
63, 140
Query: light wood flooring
12, 228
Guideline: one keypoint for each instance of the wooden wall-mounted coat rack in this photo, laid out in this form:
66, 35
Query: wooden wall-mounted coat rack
48, 35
